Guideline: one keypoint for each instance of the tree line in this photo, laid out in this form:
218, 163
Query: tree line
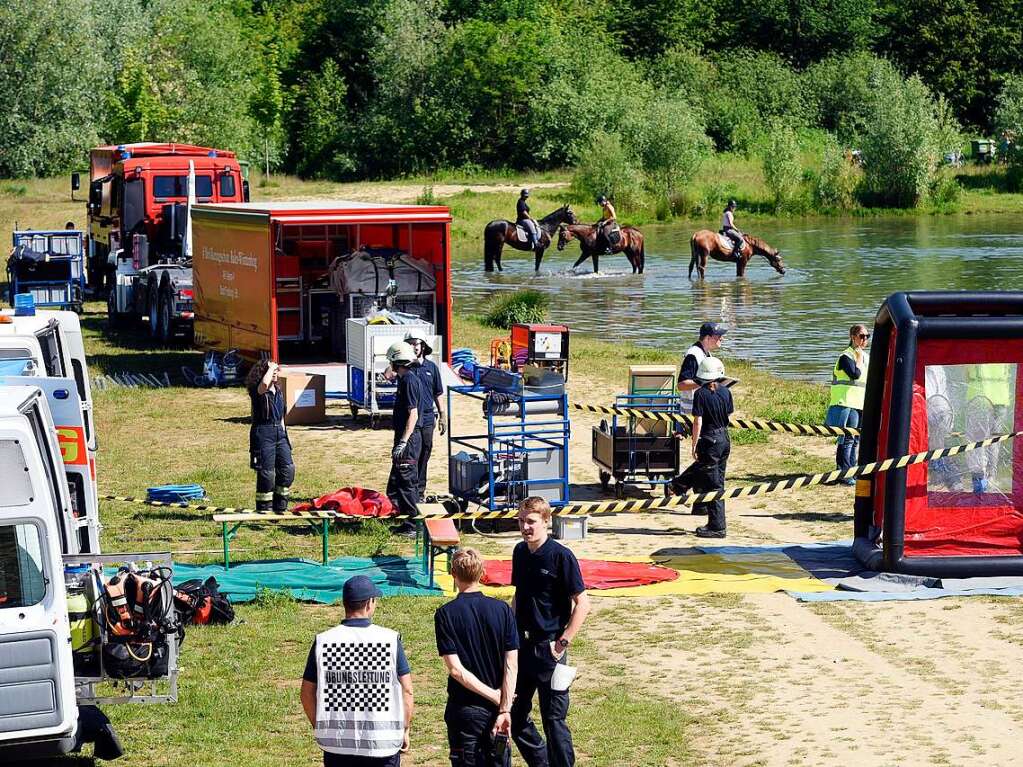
369, 88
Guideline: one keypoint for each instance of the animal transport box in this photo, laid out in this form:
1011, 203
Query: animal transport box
946, 369
263, 282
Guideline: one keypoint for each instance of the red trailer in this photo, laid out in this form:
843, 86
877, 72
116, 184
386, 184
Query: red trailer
283, 277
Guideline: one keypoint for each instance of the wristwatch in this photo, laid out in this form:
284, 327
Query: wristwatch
562, 644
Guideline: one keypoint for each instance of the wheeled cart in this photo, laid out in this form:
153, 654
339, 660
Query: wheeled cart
369, 389
637, 451
50, 266
524, 450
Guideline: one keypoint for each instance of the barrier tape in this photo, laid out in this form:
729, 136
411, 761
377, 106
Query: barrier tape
608, 508
754, 424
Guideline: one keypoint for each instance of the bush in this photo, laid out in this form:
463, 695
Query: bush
838, 179
783, 170
427, 197
1008, 121
520, 306
671, 146
901, 142
840, 93
608, 167
945, 192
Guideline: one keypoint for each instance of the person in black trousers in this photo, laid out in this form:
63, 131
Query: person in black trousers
269, 446
409, 402
550, 605
479, 642
712, 405
429, 375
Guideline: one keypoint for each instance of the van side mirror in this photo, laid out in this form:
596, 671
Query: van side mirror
76, 182
245, 190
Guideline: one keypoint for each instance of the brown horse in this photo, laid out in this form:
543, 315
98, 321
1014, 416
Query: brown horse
630, 243
706, 243
499, 233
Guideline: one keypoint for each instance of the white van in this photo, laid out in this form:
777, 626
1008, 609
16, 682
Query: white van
47, 703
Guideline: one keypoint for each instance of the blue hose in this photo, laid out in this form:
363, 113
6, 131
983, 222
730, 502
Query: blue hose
175, 493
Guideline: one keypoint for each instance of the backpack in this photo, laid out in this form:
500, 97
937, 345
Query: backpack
200, 602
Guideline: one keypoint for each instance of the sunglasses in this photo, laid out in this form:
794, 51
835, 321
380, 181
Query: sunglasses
863, 335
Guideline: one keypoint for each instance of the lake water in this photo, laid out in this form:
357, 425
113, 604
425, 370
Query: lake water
838, 273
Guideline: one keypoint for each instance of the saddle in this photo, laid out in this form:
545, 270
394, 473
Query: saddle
726, 243
522, 234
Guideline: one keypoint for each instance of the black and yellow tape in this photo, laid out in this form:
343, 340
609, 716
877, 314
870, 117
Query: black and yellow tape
607, 508
755, 424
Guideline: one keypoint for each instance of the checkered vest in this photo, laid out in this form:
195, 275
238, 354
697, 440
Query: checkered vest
359, 706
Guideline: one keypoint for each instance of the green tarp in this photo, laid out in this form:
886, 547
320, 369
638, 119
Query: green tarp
311, 581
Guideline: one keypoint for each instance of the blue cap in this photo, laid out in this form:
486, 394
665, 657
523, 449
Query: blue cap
359, 588
713, 329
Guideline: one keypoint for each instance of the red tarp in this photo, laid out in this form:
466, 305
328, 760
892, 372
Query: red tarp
597, 573
357, 501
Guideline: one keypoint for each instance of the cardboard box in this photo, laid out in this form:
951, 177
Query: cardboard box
304, 397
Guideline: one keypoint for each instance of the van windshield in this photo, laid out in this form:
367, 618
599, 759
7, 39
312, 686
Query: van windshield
22, 581
17, 362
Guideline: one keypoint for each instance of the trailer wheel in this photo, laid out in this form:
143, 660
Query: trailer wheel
152, 302
164, 329
605, 479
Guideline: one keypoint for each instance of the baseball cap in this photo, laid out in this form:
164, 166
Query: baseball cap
713, 329
359, 588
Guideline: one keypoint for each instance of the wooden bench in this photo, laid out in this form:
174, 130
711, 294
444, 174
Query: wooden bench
318, 520
439, 535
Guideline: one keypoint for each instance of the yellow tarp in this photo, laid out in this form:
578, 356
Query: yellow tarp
759, 573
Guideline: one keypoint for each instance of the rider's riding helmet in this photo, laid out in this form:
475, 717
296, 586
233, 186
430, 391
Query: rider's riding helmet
524, 193
733, 204
602, 199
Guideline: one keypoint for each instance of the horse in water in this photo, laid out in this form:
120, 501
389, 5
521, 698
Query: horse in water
630, 243
706, 243
499, 233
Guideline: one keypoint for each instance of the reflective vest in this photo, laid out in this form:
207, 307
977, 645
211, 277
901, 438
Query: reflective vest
359, 706
844, 390
992, 380
686, 397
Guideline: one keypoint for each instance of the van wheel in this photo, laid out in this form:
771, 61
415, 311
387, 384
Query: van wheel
164, 329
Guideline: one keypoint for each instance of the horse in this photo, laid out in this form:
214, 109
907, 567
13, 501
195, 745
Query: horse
630, 243
706, 243
500, 232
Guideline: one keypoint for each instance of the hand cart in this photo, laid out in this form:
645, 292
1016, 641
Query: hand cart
524, 450
637, 451
50, 266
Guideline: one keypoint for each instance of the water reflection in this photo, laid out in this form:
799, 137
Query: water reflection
839, 272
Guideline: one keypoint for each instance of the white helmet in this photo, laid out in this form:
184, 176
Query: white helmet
711, 369
418, 335
400, 353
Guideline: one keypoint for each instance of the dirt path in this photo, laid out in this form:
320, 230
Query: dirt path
406, 193
768, 680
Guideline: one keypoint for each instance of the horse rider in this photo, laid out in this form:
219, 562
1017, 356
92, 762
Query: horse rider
608, 219
526, 221
728, 228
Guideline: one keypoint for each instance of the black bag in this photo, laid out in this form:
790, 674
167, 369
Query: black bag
200, 603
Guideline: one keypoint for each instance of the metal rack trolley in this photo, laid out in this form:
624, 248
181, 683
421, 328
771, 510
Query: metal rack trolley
367, 343
521, 453
131, 690
637, 451
50, 266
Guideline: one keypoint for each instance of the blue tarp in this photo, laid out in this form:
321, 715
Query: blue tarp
311, 581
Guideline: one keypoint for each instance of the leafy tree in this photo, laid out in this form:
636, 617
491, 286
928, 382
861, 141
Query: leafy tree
326, 133
608, 167
50, 74
783, 170
838, 178
902, 141
136, 108
841, 93
647, 28
671, 145
1008, 121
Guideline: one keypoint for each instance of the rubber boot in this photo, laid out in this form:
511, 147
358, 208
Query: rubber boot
281, 497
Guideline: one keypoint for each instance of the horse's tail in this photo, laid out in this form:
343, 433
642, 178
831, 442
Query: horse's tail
692, 260
642, 254
493, 242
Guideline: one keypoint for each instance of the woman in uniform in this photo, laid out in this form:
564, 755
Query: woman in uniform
269, 446
712, 406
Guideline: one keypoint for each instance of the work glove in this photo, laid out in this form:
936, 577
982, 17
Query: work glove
399, 450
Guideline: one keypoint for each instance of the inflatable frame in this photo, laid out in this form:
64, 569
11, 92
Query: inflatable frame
962, 518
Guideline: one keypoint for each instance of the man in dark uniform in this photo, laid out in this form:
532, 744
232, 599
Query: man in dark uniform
550, 605
409, 403
525, 220
433, 387
479, 642
712, 405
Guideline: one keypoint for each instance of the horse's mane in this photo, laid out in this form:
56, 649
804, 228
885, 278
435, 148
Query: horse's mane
554, 215
759, 245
